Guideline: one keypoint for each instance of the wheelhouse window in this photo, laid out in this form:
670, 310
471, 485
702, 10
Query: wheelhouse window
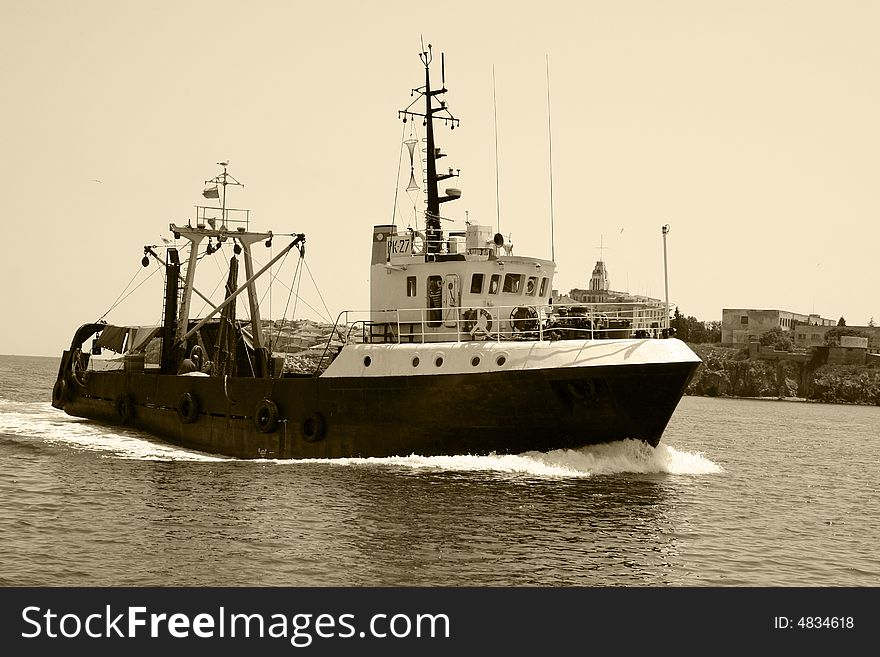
493, 283
477, 284
532, 286
410, 286
513, 283
543, 289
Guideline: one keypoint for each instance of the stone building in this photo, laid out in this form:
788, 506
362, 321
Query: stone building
741, 325
806, 337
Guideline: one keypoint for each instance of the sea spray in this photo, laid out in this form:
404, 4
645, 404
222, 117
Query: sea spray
38, 422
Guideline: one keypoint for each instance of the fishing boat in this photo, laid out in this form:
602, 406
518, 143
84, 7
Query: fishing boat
461, 352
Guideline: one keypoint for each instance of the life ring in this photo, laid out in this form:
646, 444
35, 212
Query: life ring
266, 416
124, 408
477, 321
59, 393
418, 242
313, 427
188, 408
524, 318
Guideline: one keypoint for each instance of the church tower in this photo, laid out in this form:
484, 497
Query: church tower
599, 280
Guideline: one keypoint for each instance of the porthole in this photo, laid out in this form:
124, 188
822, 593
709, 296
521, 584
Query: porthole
415, 361
367, 361
438, 361
501, 360
475, 361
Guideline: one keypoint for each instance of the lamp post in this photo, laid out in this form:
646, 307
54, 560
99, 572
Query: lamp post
665, 230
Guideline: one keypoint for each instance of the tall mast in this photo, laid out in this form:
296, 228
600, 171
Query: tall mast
434, 230
432, 214
223, 179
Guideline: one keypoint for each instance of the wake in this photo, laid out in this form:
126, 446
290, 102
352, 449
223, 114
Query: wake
625, 456
39, 423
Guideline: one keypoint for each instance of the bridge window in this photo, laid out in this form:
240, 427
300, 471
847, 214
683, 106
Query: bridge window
532, 286
513, 283
543, 289
410, 286
476, 284
493, 283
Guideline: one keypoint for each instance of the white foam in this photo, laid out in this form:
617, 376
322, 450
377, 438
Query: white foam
40, 422
612, 458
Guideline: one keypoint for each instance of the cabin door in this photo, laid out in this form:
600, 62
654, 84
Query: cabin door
451, 299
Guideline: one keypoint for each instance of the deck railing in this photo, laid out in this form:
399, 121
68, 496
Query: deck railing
514, 322
232, 219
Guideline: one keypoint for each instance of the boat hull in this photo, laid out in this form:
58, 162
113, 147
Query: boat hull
511, 411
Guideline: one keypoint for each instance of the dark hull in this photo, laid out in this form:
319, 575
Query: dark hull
500, 412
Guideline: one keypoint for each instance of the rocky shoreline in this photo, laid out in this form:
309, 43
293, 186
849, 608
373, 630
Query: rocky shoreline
728, 372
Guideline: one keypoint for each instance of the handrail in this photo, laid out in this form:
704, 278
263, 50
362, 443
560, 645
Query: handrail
539, 322
232, 216
512, 322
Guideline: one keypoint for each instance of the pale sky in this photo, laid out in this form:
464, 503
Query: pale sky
751, 127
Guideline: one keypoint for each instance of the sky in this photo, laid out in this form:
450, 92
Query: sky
751, 128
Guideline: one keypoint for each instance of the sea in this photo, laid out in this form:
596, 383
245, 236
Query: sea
739, 493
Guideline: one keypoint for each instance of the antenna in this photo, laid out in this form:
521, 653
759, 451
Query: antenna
601, 248
443, 69
665, 230
550, 148
222, 179
495, 111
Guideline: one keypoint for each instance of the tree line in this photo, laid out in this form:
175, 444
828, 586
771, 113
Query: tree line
691, 329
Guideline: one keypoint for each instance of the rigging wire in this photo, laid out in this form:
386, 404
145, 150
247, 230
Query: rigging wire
497, 197
123, 298
550, 158
329, 317
326, 317
114, 304
397, 180
297, 273
272, 279
414, 134
220, 282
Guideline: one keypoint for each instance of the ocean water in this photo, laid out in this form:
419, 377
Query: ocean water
738, 493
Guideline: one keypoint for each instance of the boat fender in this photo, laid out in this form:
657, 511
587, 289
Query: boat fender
59, 393
188, 408
226, 390
313, 427
266, 416
124, 408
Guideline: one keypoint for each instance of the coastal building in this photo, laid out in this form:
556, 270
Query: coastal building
739, 326
646, 313
807, 336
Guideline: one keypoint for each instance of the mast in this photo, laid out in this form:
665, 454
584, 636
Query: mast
432, 213
206, 227
222, 179
172, 282
433, 229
